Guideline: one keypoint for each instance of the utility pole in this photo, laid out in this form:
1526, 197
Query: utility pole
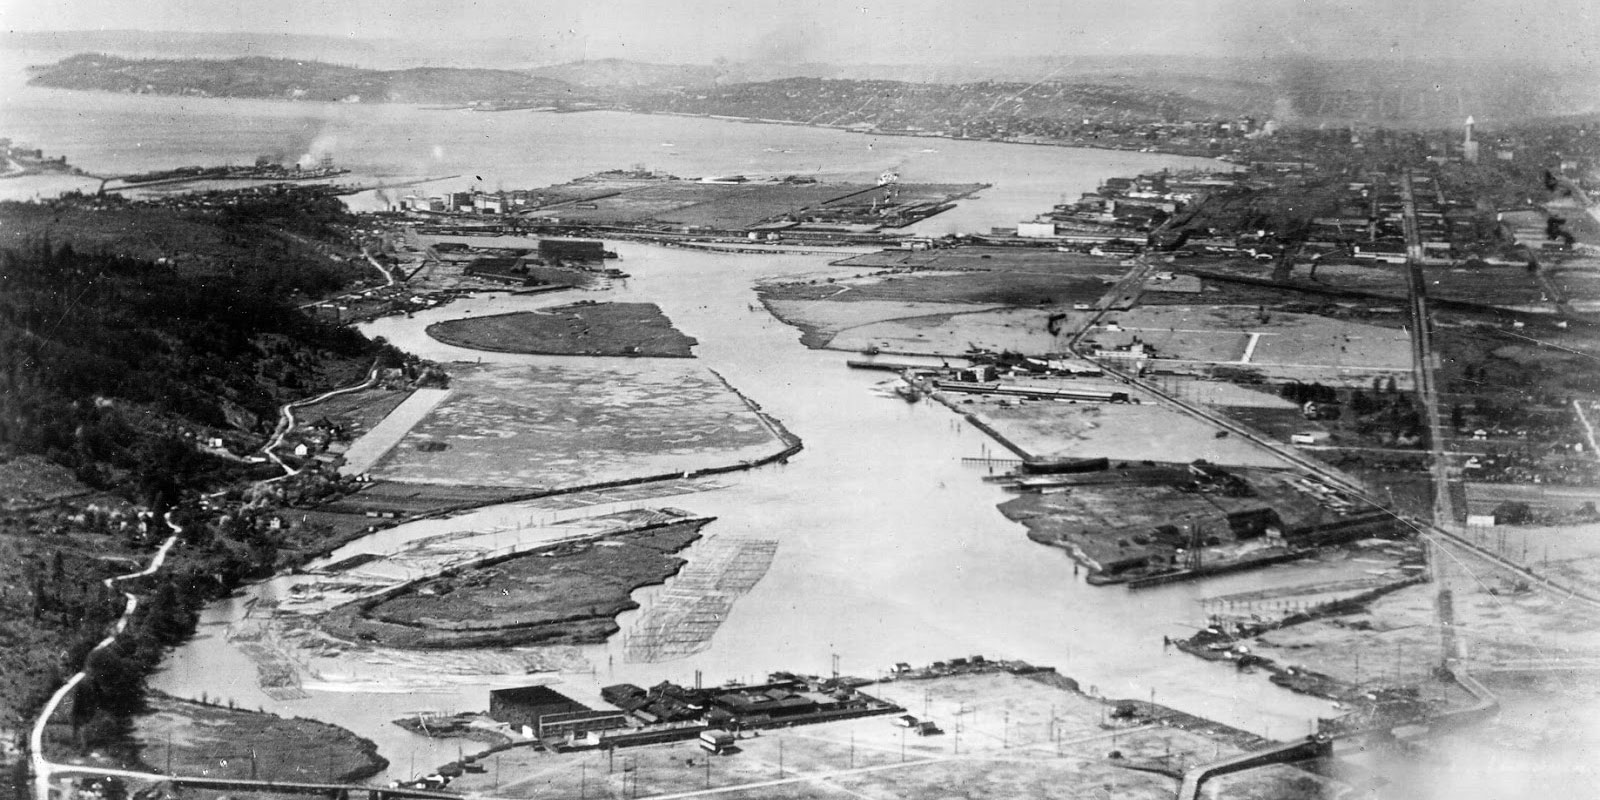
780, 758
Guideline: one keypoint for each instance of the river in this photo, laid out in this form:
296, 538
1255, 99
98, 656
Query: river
890, 549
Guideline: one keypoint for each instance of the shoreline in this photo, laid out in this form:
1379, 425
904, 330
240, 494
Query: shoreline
878, 132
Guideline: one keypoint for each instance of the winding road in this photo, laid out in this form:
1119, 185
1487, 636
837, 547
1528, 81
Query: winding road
44, 770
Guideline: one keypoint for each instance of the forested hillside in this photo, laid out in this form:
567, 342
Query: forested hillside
132, 338
116, 365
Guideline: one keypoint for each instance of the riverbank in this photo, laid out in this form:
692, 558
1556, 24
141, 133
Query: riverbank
567, 593
581, 329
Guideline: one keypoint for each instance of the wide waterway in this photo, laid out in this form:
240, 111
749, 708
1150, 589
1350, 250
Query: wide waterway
889, 548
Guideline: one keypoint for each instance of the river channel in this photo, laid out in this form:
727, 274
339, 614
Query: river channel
890, 548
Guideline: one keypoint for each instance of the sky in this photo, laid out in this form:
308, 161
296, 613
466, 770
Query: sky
886, 31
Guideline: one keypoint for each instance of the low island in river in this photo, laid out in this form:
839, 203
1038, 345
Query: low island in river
584, 328
568, 593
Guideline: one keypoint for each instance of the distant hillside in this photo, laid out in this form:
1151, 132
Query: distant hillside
1026, 95
616, 73
980, 110
369, 53
260, 77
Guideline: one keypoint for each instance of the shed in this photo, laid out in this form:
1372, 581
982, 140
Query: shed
524, 705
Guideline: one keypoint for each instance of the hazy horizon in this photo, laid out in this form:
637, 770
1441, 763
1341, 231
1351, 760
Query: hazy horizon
1561, 33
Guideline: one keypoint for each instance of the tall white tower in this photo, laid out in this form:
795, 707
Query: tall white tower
1469, 146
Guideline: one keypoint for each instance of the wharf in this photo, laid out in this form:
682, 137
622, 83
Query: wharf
1178, 576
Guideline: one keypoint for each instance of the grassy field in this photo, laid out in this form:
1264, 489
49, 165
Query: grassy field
1287, 345
565, 594
413, 498
604, 329
544, 427
924, 301
215, 741
30, 480
355, 412
1578, 279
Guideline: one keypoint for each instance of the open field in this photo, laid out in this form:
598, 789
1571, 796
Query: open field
396, 499
1578, 280
990, 287
993, 259
1506, 286
822, 321
1005, 736
538, 427
1125, 432
188, 738
28, 481
1019, 330
1495, 286
566, 593
1569, 554
593, 329
1277, 344
355, 412
946, 301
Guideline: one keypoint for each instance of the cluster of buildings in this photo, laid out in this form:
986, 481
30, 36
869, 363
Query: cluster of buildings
25, 160
472, 202
783, 700
1117, 218
1057, 112
667, 711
